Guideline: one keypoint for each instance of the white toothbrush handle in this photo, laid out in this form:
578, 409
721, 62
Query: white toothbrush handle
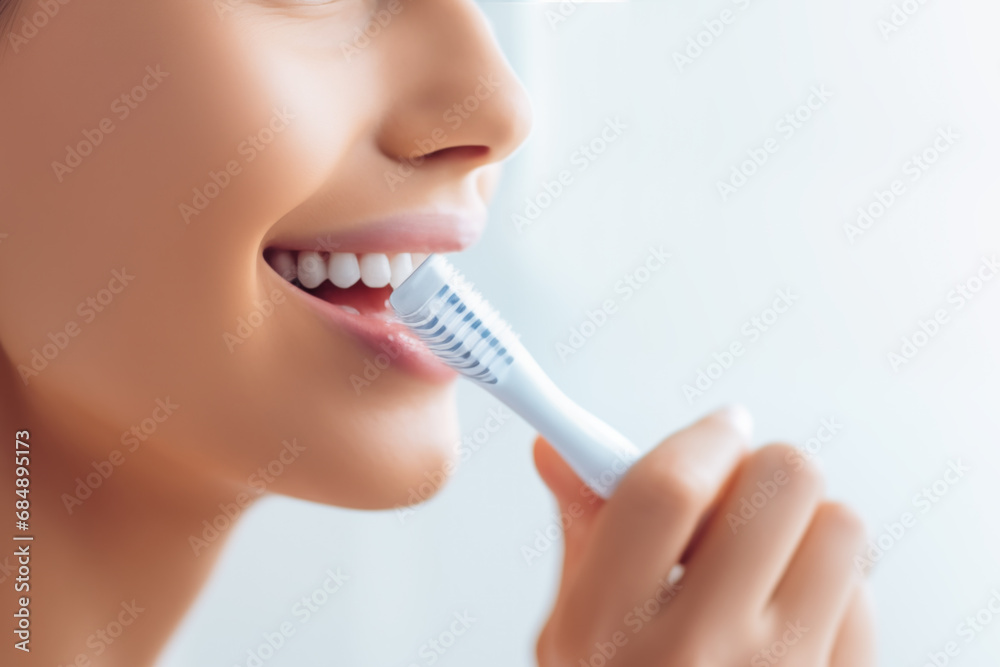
599, 454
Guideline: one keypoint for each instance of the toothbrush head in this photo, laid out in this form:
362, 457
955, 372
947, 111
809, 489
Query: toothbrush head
447, 313
451, 318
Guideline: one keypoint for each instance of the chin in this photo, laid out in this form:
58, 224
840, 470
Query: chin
395, 456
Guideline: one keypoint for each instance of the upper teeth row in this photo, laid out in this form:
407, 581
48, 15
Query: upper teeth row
344, 269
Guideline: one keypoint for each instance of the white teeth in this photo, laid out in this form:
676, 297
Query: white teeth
311, 268
343, 269
401, 267
283, 262
375, 271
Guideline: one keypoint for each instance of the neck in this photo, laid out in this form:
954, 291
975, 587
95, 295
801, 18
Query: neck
111, 567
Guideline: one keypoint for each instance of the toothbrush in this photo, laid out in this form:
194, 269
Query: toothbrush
445, 312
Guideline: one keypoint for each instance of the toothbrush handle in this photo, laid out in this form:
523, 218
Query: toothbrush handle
599, 454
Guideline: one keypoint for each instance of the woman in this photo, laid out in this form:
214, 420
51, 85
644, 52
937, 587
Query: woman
206, 204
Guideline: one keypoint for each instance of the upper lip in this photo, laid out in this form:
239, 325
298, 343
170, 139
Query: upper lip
421, 232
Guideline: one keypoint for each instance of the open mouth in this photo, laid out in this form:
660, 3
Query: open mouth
360, 284
349, 291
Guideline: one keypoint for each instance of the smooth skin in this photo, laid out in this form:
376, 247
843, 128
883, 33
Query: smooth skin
214, 74
777, 587
223, 69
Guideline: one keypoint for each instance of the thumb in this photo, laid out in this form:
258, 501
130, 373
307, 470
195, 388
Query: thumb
578, 505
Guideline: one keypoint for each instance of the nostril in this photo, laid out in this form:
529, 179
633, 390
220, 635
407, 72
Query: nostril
459, 153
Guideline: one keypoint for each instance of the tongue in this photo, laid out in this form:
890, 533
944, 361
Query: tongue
366, 300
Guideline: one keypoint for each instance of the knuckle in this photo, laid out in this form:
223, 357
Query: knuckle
782, 459
773, 456
842, 523
669, 482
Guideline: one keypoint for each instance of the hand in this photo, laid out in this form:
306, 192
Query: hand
768, 578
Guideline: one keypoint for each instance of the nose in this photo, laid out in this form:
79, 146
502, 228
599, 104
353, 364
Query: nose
454, 103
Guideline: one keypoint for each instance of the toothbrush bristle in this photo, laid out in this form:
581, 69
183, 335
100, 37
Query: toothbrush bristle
455, 321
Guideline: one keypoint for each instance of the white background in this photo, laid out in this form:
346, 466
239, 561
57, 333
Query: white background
825, 358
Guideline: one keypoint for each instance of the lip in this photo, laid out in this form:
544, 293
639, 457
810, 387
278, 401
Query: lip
389, 343
423, 232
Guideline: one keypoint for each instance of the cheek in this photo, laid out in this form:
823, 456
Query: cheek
332, 105
197, 163
129, 140
179, 196
335, 98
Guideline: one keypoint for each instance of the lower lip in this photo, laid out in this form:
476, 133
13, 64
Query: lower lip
391, 344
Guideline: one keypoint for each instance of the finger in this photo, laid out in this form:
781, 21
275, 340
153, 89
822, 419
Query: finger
822, 578
855, 642
578, 504
645, 525
562, 481
750, 540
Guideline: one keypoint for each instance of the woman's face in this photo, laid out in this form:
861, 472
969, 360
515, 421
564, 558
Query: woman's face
151, 152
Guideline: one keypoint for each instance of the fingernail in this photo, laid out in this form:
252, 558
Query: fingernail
740, 419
